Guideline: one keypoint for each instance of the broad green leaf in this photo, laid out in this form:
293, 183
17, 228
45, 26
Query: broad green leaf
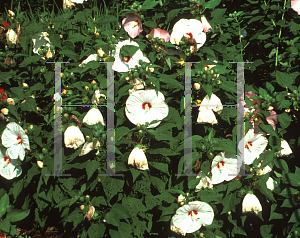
4, 203
17, 215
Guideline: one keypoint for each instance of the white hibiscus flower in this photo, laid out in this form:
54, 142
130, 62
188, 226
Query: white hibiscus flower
191, 28
15, 139
73, 137
122, 62
251, 203
207, 107
252, 145
286, 149
145, 106
93, 117
189, 218
8, 167
138, 158
205, 182
224, 167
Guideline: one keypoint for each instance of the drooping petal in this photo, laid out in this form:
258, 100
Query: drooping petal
132, 24
73, 137
251, 203
206, 26
207, 116
93, 117
272, 119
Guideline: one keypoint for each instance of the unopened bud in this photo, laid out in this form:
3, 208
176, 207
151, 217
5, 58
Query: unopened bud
93, 82
81, 207
86, 88
40, 164
4, 111
25, 85
196, 86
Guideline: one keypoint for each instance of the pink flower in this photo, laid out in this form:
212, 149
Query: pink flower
272, 119
295, 5
161, 34
206, 26
132, 24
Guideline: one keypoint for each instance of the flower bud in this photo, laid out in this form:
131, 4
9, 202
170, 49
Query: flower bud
180, 198
4, 111
196, 86
81, 207
25, 85
40, 164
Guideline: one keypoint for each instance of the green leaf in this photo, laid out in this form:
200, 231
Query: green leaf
4, 204
166, 196
6, 76
151, 24
171, 14
91, 167
76, 37
284, 120
233, 185
265, 231
96, 230
288, 192
128, 50
212, 4
295, 217
285, 80
29, 60
112, 186
158, 183
124, 230
149, 4
135, 173
17, 215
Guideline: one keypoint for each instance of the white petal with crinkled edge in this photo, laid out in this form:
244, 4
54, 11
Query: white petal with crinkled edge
73, 137
93, 117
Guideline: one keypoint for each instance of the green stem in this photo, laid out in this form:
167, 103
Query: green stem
279, 35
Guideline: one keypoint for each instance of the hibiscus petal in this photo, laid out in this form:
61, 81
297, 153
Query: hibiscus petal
22, 153
13, 151
295, 5
8, 138
9, 171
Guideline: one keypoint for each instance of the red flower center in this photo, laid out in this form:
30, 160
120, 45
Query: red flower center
19, 140
7, 160
248, 144
194, 211
220, 164
126, 59
146, 106
189, 34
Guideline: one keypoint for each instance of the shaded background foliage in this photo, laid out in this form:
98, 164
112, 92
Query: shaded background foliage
141, 203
